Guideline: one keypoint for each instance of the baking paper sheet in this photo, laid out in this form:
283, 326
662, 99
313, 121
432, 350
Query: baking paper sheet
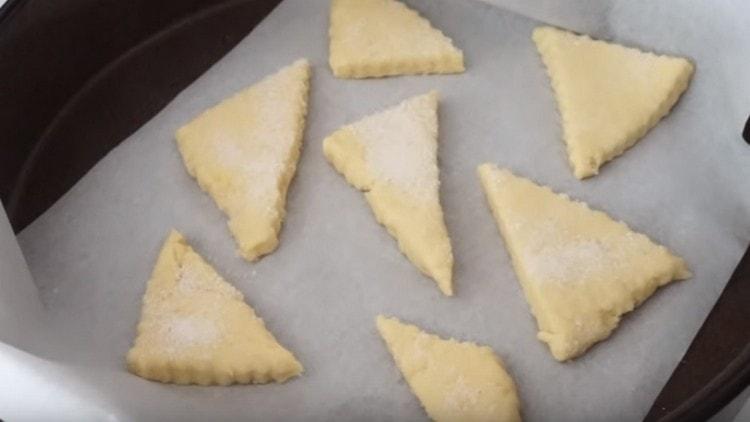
685, 185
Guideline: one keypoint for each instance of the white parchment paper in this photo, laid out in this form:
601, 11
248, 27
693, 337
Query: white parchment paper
687, 185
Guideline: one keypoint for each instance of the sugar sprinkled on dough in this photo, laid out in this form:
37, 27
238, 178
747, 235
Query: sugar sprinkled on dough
400, 147
189, 331
550, 255
195, 328
193, 279
548, 258
259, 155
462, 396
180, 332
258, 171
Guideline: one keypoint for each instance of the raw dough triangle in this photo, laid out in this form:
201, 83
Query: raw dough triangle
244, 153
392, 157
195, 328
608, 95
374, 38
454, 381
580, 270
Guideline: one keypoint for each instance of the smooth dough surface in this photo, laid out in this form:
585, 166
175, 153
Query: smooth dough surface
392, 157
195, 328
454, 381
579, 269
244, 153
608, 95
374, 38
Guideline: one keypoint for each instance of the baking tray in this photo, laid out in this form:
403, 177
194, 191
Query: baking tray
79, 76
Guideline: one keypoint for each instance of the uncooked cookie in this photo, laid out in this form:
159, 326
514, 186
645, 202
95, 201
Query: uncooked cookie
374, 38
392, 157
608, 95
580, 270
454, 381
244, 153
195, 328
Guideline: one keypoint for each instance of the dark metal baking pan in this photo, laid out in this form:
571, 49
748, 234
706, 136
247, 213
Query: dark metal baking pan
78, 76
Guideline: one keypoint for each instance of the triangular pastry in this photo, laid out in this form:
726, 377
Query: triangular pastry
579, 269
244, 153
454, 381
392, 157
608, 95
374, 38
195, 328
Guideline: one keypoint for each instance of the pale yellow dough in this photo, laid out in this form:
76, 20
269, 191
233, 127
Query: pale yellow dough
392, 157
374, 38
244, 153
608, 95
195, 328
454, 381
579, 269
